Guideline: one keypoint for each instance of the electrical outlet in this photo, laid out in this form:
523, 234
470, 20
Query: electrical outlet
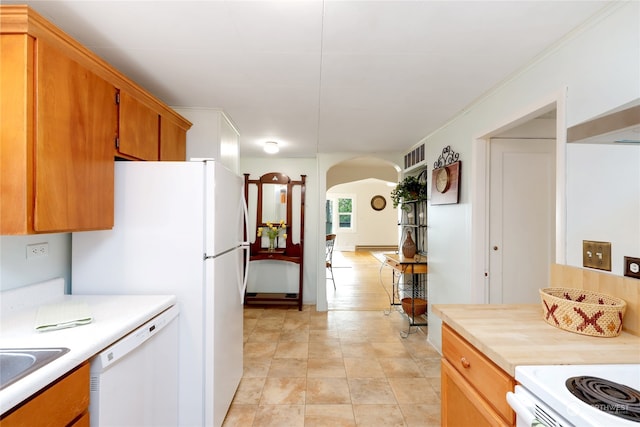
38, 250
596, 255
632, 267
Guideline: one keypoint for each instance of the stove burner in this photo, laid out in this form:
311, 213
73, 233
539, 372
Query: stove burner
607, 396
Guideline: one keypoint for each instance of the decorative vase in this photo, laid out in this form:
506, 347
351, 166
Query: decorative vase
409, 246
272, 244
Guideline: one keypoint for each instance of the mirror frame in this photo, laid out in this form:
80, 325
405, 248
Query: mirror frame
291, 251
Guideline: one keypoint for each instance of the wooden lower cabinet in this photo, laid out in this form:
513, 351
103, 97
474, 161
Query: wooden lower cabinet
83, 421
63, 403
473, 388
462, 405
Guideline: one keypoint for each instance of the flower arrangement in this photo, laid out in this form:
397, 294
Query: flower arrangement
272, 231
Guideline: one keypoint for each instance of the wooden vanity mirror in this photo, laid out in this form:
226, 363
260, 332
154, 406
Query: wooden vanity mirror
274, 202
276, 199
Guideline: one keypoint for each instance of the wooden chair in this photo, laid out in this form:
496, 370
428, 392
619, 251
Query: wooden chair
331, 238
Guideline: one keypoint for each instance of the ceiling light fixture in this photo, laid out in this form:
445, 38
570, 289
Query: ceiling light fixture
271, 147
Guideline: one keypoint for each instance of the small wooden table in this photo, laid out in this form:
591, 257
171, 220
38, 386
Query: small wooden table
415, 265
409, 277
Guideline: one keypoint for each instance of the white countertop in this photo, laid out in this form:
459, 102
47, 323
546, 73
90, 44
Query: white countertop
113, 318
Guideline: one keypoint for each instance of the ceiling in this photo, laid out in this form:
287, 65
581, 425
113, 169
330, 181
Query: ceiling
320, 76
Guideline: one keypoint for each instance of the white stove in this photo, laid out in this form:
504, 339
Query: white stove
543, 395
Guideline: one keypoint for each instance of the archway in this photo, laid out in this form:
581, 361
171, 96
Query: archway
359, 211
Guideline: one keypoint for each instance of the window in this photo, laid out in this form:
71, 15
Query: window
345, 213
341, 212
329, 214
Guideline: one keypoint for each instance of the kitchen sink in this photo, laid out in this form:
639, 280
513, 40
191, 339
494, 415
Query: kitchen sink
17, 363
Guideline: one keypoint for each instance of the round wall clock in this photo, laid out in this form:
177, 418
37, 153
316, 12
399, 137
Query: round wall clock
442, 180
378, 203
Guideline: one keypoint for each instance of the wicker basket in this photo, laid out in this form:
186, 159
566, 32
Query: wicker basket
582, 311
419, 306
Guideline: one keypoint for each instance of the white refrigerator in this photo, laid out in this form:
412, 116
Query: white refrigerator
179, 230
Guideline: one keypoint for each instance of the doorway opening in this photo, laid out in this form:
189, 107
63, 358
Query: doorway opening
519, 197
359, 212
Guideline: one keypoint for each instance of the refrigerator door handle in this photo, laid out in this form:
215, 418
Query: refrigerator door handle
246, 246
245, 212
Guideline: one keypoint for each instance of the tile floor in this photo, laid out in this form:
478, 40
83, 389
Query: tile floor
335, 368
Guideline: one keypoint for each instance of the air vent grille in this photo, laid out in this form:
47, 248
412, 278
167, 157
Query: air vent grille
94, 384
415, 157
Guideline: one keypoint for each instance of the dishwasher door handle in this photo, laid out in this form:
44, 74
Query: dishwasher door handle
133, 340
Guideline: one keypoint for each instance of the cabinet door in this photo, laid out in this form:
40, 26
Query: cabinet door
16, 135
461, 405
491, 382
73, 151
83, 421
139, 129
62, 402
173, 141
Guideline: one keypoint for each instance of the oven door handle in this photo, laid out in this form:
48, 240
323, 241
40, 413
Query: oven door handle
522, 407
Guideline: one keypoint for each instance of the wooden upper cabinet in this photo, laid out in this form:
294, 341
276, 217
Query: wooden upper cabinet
58, 128
76, 128
173, 141
16, 140
139, 133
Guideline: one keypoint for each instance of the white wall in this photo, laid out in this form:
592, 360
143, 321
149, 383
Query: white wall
16, 270
372, 228
603, 200
598, 66
212, 135
278, 276
344, 173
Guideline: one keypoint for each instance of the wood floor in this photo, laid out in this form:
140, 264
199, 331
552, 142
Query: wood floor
358, 282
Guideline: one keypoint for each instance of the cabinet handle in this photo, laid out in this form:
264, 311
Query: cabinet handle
465, 363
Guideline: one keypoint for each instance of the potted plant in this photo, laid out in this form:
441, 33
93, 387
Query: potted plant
409, 189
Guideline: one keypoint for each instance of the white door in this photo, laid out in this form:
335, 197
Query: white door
225, 209
521, 218
224, 334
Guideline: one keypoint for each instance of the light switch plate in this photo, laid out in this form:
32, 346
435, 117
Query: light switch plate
632, 267
596, 254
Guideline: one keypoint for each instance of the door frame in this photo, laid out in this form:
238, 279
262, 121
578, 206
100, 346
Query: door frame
536, 206
480, 188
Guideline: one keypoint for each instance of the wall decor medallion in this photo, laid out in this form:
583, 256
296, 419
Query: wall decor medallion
378, 203
445, 178
442, 180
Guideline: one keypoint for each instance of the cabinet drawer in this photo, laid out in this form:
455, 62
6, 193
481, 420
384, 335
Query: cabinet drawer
491, 382
462, 405
57, 405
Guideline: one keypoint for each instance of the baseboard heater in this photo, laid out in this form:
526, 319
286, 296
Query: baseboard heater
385, 248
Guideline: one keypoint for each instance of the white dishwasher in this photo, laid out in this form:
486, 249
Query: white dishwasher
134, 382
